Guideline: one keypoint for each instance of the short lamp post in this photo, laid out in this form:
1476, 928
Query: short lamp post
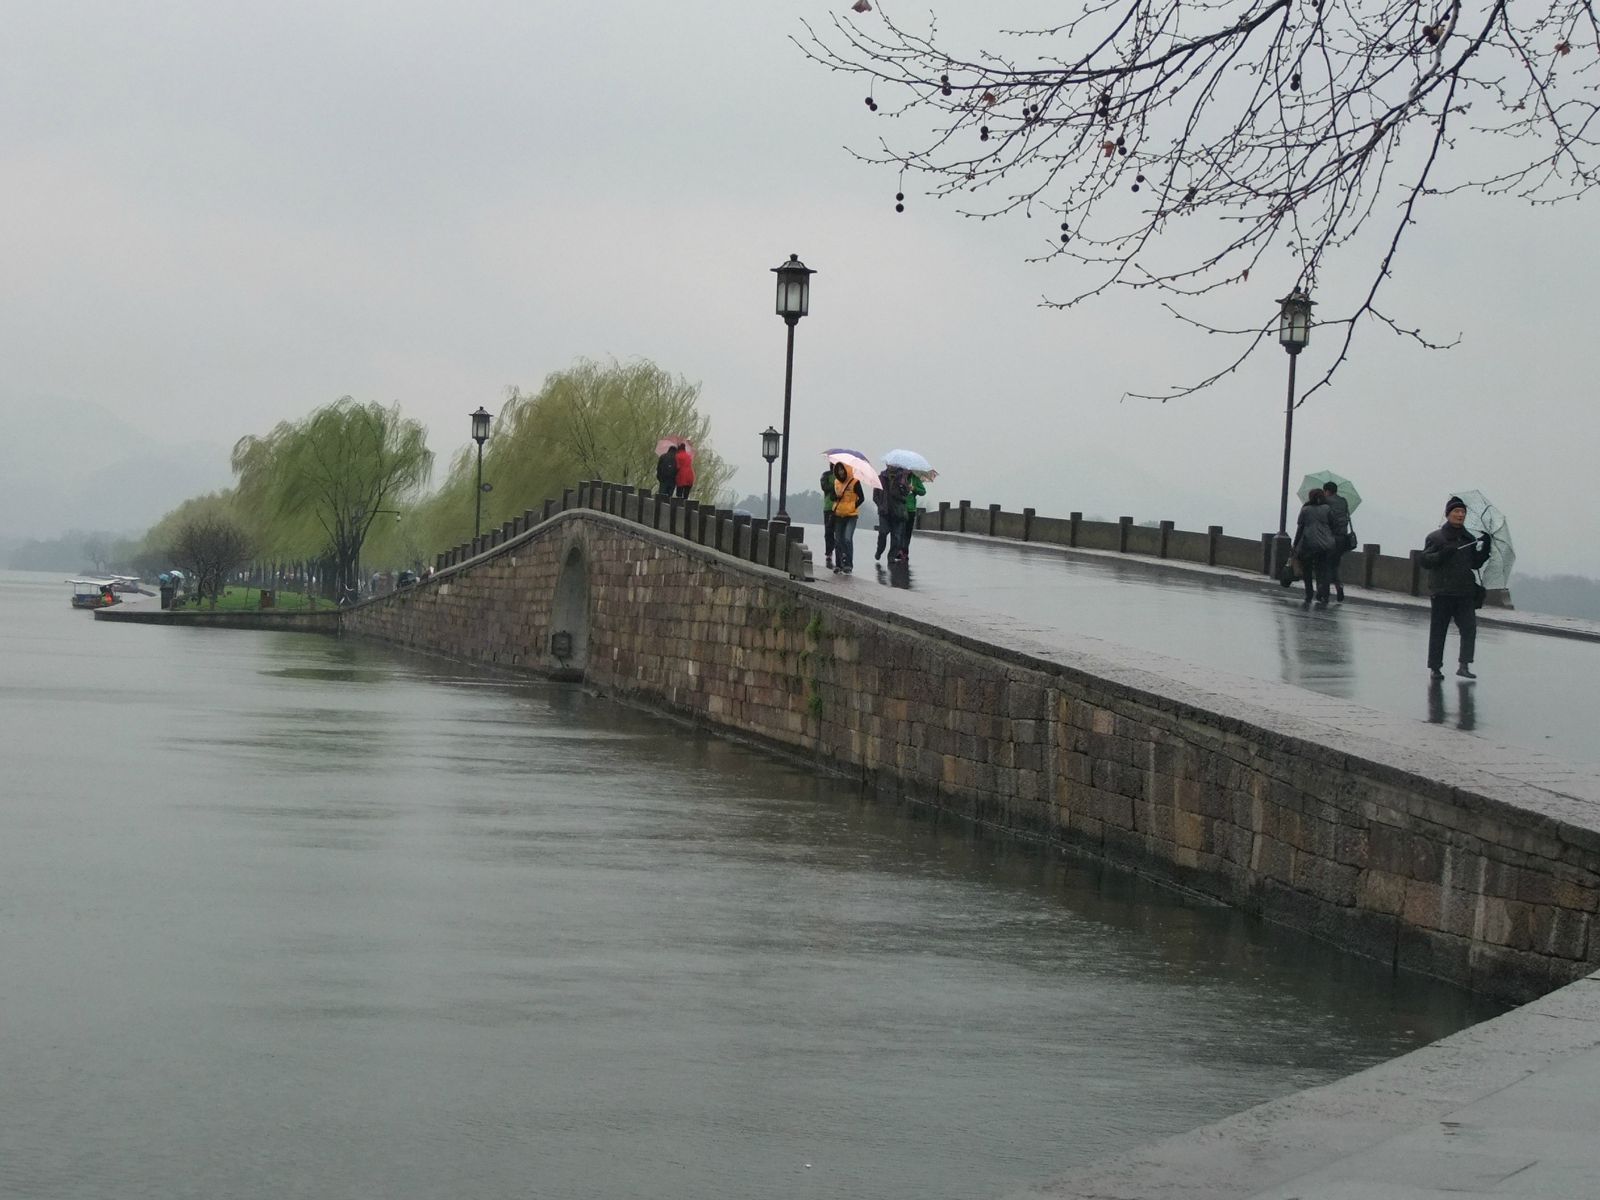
1294, 333
794, 301
770, 439
480, 434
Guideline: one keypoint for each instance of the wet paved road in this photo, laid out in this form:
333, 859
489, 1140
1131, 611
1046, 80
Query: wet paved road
1535, 691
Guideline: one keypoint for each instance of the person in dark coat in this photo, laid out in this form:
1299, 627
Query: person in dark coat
667, 472
891, 502
1313, 544
829, 522
1451, 554
1339, 517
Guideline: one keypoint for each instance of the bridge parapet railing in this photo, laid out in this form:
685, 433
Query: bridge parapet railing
775, 544
1369, 566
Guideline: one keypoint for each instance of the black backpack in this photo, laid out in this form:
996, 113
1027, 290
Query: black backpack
897, 484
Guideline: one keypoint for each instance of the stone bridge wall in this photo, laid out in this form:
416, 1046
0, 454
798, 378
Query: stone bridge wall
1375, 854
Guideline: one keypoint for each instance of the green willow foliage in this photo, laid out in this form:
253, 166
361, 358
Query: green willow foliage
156, 550
591, 421
317, 487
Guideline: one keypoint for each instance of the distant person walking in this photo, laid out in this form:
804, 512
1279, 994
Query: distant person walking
1451, 554
891, 502
847, 500
1339, 518
1313, 542
685, 471
916, 488
667, 472
829, 522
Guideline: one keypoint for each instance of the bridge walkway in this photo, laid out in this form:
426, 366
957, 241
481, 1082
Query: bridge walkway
1531, 715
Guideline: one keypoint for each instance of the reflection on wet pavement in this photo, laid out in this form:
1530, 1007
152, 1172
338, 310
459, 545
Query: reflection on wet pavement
1535, 691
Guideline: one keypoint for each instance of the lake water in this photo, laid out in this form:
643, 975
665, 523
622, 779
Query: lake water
284, 916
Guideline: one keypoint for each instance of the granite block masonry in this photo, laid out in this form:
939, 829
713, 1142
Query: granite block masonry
1496, 891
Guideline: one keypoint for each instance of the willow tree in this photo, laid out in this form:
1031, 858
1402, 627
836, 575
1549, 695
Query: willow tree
590, 421
318, 485
205, 535
1256, 126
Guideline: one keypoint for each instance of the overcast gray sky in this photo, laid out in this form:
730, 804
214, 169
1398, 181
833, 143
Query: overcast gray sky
214, 216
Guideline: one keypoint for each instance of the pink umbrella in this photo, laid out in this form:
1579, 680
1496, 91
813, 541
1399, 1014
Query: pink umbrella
859, 467
669, 442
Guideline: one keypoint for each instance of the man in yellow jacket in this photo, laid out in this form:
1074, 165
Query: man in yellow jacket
847, 501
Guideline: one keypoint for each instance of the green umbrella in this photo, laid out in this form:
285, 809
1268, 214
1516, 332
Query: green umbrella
1317, 478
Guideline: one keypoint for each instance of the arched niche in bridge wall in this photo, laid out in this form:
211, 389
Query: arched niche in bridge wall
569, 616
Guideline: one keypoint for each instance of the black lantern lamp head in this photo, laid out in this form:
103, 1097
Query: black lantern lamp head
771, 441
794, 289
1294, 321
480, 425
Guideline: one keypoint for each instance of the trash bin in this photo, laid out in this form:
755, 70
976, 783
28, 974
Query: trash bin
269, 598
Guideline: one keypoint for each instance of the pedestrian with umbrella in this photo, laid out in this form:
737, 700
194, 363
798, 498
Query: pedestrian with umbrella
685, 479
847, 500
667, 466
917, 469
1451, 554
1342, 499
1313, 544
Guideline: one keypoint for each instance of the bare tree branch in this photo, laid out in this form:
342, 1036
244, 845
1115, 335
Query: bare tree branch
1256, 126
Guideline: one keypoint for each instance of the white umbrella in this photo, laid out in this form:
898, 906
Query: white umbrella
910, 460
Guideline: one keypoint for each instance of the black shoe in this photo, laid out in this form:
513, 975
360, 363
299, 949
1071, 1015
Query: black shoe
1339, 595
1436, 672
1465, 671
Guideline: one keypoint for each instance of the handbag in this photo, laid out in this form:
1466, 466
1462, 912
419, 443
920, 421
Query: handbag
1479, 592
1289, 571
1351, 541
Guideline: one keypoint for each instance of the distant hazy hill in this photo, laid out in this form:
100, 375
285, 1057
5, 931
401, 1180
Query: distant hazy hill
803, 506
74, 464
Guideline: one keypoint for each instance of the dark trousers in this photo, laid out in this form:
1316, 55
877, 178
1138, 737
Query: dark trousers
844, 542
1460, 610
891, 531
682, 491
1315, 567
664, 490
1334, 559
905, 536
830, 524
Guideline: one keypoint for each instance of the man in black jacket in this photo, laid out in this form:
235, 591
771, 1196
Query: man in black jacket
1339, 518
667, 472
1451, 554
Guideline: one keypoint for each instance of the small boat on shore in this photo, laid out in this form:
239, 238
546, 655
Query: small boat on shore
93, 593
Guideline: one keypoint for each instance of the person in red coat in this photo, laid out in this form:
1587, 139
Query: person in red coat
685, 471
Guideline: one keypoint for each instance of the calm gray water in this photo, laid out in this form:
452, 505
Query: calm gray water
287, 917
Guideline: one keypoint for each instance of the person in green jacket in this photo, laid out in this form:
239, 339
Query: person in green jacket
917, 489
829, 522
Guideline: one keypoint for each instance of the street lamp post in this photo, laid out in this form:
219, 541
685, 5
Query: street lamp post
480, 434
1294, 333
770, 438
794, 301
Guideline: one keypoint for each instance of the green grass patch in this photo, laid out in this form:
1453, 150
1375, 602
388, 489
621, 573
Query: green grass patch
243, 599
